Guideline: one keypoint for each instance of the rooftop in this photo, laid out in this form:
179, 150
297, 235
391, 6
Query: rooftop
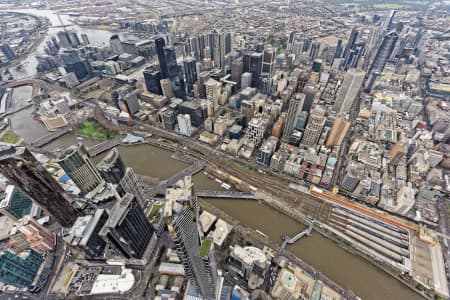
206, 246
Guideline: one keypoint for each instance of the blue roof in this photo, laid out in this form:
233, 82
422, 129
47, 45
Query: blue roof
64, 178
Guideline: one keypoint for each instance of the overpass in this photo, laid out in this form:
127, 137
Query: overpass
104, 146
225, 195
16, 110
44, 140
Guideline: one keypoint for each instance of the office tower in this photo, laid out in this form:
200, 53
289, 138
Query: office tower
195, 252
20, 167
213, 88
190, 73
166, 87
7, 51
63, 38
267, 69
19, 271
255, 68
317, 65
16, 203
246, 80
73, 39
337, 133
160, 43
73, 63
168, 118
85, 39
76, 162
339, 49
116, 46
353, 174
184, 124
84, 234
314, 51
351, 41
194, 111
130, 183
398, 151
387, 24
127, 228
194, 47
237, 68
112, 167
130, 102
310, 95
383, 53
353, 55
39, 239
349, 90
314, 127
152, 78
174, 73
295, 107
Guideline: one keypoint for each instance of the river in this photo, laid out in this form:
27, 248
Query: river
348, 270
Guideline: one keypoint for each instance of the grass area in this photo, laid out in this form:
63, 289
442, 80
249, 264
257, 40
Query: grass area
153, 211
9, 137
92, 129
206, 245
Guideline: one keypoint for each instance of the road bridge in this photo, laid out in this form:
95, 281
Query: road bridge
44, 140
104, 146
225, 194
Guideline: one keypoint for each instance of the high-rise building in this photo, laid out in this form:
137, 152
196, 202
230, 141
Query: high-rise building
116, 45
237, 68
38, 238
174, 73
112, 167
20, 167
351, 41
16, 203
85, 39
213, 92
398, 151
348, 91
295, 107
63, 38
73, 63
314, 127
195, 252
160, 43
255, 68
310, 95
76, 162
190, 73
84, 234
337, 133
353, 174
7, 51
166, 87
130, 183
246, 80
73, 39
152, 78
184, 124
19, 270
127, 228
381, 57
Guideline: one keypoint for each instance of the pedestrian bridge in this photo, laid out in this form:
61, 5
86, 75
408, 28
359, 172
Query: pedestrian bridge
292, 240
225, 194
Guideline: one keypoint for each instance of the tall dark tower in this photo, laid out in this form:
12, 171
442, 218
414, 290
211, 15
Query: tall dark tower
127, 228
160, 45
20, 167
383, 53
190, 73
351, 41
152, 78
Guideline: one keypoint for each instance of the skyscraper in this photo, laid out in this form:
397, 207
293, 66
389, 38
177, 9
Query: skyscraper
160, 43
116, 46
174, 73
16, 203
184, 124
351, 41
195, 252
295, 107
152, 78
190, 73
76, 163
237, 68
64, 41
20, 167
255, 68
127, 228
348, 91
337, 132
314, 127
73, 63
383, 53
112, 167
213, 92
7, 51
